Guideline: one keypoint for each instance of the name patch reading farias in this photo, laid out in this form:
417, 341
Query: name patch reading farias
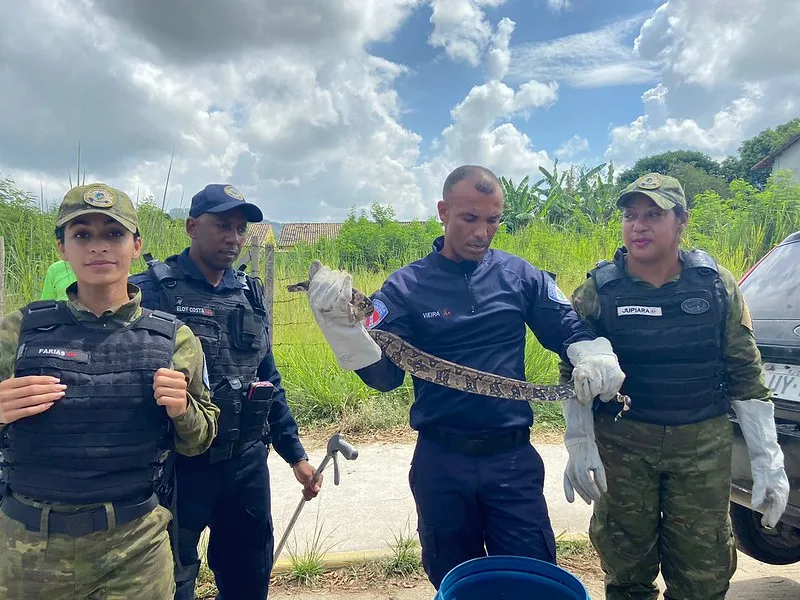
62, 353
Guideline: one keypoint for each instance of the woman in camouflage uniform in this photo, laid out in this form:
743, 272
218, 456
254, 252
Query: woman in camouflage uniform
684, 339
95, 394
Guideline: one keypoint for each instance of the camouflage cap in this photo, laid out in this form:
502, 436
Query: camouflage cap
664, 190
101, 199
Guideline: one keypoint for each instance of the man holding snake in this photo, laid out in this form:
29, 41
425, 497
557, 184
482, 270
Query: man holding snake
476, 479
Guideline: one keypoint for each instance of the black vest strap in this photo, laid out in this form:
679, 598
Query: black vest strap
161, 272
159, 322
607, 273
42, 314
700, 261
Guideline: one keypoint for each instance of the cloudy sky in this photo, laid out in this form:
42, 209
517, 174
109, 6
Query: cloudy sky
310, 107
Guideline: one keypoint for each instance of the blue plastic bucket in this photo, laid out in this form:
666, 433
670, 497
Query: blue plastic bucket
510, 578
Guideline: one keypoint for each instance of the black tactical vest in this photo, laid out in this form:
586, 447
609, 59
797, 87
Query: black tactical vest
669, 340
106, 440
231, 329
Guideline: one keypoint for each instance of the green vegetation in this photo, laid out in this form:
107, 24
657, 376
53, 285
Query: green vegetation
564, 222
405, 559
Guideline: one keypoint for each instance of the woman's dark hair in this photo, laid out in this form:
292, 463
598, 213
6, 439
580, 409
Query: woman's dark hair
60, 234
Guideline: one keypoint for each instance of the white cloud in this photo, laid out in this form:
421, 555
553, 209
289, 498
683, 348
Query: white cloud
482, 133
727, 73
656, 95
461, 28
727, 128
573, 148
608, 75
715, 42
591, 59
294, 111
482, 129
306, 129
559, 5
307, 122
498, 57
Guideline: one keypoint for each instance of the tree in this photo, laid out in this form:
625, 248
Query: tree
756, 148
696, 171
575, 197
696, 181
662, 163
382, 214
519, 203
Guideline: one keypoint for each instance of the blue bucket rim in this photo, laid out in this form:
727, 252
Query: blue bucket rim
519, 564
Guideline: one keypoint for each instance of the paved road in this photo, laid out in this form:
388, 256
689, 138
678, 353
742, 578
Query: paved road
373, 502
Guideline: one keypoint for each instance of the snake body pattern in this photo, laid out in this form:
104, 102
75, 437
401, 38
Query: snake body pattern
449, 374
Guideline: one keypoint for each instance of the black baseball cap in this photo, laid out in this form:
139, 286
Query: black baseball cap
221, 197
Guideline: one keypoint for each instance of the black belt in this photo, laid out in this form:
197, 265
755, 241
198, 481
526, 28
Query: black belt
77, 523
478, 444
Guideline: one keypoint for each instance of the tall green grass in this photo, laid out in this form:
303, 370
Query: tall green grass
322, 391
736, 232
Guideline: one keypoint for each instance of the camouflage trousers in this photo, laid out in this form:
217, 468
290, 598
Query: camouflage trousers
666, 506
133, 560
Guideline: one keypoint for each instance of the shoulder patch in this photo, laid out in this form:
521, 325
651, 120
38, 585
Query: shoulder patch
747, 319
205, 374
378, 314
555, 294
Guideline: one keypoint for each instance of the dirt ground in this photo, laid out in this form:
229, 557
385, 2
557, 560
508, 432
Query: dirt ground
752, 581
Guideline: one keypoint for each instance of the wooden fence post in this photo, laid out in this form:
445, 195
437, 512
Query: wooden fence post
269, 285
253, 256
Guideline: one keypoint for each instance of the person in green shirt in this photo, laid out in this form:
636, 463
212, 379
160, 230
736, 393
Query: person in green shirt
662, 470
58, 278
96, 394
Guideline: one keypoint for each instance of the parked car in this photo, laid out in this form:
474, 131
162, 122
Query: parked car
772, 292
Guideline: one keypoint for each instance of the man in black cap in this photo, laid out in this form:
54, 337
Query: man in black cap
227, 487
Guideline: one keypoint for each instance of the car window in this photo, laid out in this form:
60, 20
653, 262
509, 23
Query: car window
772, 290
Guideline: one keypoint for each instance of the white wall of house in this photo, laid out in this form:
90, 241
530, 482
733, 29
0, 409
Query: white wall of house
789, 159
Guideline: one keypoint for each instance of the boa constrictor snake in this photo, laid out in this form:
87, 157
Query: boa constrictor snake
449, 374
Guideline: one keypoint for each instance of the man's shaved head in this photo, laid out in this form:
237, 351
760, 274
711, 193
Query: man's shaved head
471, 209
486, 182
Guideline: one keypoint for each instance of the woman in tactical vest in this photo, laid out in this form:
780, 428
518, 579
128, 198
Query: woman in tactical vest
684, 339
95, 396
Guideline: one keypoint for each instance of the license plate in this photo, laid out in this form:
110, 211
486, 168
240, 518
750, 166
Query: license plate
783, 380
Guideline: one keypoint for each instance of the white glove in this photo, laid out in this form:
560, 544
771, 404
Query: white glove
584, 459
329, 295
770, 484
596, 370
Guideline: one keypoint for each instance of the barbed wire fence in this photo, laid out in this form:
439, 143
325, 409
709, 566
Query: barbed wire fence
276, 307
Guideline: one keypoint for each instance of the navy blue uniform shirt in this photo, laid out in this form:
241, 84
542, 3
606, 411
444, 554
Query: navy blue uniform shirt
473, 314
283, 428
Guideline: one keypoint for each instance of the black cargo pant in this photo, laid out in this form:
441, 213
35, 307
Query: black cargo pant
667, 505
232, 498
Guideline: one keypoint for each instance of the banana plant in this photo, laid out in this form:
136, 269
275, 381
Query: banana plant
519, 203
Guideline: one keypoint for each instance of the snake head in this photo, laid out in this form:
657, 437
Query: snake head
362, 305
